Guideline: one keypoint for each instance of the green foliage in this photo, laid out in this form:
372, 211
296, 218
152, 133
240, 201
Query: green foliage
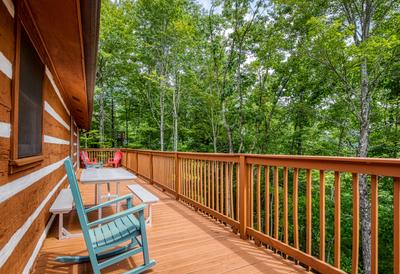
280, 77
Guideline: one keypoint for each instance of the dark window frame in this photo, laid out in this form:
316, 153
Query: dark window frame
16, 163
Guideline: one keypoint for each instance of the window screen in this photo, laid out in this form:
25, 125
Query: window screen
30, 100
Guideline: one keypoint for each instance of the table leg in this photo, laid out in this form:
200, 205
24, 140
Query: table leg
150, 215
118, 205
99, 198
96, 197
60, 226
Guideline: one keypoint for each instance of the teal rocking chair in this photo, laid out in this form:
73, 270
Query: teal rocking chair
104, 237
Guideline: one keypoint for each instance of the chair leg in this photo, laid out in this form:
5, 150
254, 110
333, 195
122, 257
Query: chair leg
143, 234
108, 191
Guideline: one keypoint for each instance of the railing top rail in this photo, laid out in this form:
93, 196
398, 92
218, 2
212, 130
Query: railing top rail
367, 160
372, 166
100, 149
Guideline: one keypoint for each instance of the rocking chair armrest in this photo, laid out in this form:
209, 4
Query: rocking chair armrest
127, 197
129, 211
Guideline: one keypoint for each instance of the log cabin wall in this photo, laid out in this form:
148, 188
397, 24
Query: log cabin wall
26, 196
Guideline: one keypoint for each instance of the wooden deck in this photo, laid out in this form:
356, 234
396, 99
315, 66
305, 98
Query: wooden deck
181, 241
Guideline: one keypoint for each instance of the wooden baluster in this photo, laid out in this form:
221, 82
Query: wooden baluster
189, 192
308, 212
285, 206
237, 190
258, 197
201, 180
396, 224
232, 211
337, 220
194, 177
356, 223
195, 186
209, 184
276, 202
251, 191
204, 180
198, 188
183, 177
213, 185
243, 197
221, 189
226, 188
217, 185
189, 185
267, 200
191, 179
322, 215
296, 209
178, 182
151, 168
374, 224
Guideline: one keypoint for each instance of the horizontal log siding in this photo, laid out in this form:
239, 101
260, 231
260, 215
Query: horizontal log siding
23, 204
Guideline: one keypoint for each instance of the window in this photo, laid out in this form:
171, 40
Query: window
27, 108
30, 103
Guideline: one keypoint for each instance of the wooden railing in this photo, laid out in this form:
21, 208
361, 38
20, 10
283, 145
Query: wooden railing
100, 154
250, 193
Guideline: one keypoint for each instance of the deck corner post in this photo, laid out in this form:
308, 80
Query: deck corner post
243, 197
177, 177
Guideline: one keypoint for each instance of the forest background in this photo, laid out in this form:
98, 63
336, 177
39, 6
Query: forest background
291, 77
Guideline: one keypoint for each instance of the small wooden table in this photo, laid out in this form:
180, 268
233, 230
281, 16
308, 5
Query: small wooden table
99, 176
146, 197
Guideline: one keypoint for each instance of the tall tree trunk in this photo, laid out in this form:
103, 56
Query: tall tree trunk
365, 206
175, 103
239, 87
227, 127
162, 109
101, 122
112, 121
214, 128
127, 111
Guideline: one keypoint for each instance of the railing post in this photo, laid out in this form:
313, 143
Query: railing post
177, 177
243, 197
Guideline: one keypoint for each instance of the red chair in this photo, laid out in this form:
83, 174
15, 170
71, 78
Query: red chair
86, 162
116, 161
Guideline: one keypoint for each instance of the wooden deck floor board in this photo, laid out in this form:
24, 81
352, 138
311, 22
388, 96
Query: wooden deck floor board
181, 241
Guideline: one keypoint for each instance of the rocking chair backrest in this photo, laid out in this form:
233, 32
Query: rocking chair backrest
76, 194
117, 158
86, 155
83, 158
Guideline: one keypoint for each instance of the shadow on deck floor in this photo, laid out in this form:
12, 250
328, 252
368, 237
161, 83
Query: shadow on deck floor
181, 241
